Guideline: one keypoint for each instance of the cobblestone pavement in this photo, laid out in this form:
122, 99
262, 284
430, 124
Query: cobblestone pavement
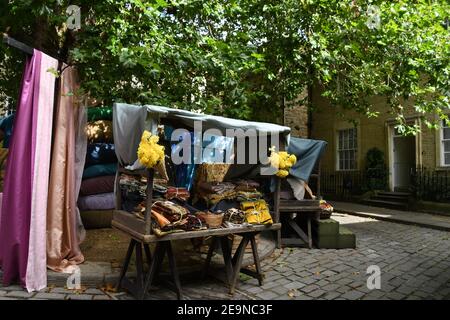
414, 264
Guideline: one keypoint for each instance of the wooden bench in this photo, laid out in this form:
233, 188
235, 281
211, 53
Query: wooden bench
310, 209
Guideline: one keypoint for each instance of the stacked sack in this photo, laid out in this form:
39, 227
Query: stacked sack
97, 200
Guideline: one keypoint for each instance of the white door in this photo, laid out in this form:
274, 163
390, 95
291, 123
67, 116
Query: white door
404, 156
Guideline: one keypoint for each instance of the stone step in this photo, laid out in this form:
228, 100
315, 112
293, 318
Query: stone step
390, 198
397, 194
386, 204
347, 239
325, 227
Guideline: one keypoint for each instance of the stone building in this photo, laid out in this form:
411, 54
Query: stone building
349, 141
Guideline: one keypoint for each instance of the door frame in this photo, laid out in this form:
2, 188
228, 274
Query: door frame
390, 124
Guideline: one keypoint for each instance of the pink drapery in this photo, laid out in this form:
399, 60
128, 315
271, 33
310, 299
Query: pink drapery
23, 220
40, 223
36, 276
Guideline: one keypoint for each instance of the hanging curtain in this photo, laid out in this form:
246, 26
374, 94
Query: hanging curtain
63, 223
23, 218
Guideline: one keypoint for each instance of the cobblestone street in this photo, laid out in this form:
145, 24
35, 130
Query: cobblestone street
414, 263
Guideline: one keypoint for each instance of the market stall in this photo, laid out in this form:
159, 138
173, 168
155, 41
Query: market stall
209, 198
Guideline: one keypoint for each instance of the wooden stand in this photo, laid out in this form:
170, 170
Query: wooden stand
141, 236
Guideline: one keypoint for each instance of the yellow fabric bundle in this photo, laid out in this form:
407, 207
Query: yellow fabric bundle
256, 212
150, 153
282, 161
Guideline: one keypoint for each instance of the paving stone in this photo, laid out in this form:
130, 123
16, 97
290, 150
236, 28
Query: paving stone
330, 287
79, 297
20, 294
255, 290
93, 291
343, 289
332, 295
281, 290
294, 285
353, 295
267, 295
395, 296
12, 288
50, 296
316, 293
62, 290
328, 273
405, 290
101, 297
309, 280
309, 288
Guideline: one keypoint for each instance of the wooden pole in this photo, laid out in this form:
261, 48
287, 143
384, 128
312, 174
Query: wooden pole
149, 201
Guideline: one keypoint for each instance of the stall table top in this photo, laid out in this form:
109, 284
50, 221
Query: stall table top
133, 226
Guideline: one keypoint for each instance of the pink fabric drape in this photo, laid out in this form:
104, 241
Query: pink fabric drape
16, 204
36, 276
23, 213
63, 250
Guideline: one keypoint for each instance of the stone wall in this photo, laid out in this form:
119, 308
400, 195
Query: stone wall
296, 117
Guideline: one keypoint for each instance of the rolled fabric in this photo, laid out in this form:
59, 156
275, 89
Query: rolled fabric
104, 201
99, 170
99, 131
100, 153
97, 185
100, 113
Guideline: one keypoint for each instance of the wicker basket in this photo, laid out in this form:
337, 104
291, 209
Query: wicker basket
212, 220
237, 240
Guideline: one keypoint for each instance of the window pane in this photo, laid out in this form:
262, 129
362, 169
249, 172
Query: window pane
355, 138
447, 158
444, 124
447, 146
346, 139
341, 138
446, 133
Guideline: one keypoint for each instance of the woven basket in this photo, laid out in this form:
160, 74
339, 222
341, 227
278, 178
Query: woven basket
237, 240
212, 220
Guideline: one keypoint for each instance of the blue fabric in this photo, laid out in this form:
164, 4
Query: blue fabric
308, 152
100, 153
184, 173
6, 124
100, 170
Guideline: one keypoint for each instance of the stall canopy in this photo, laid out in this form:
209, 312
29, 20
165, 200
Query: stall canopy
129, 121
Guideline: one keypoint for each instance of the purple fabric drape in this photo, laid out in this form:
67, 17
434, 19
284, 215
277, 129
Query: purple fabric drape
17, 192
